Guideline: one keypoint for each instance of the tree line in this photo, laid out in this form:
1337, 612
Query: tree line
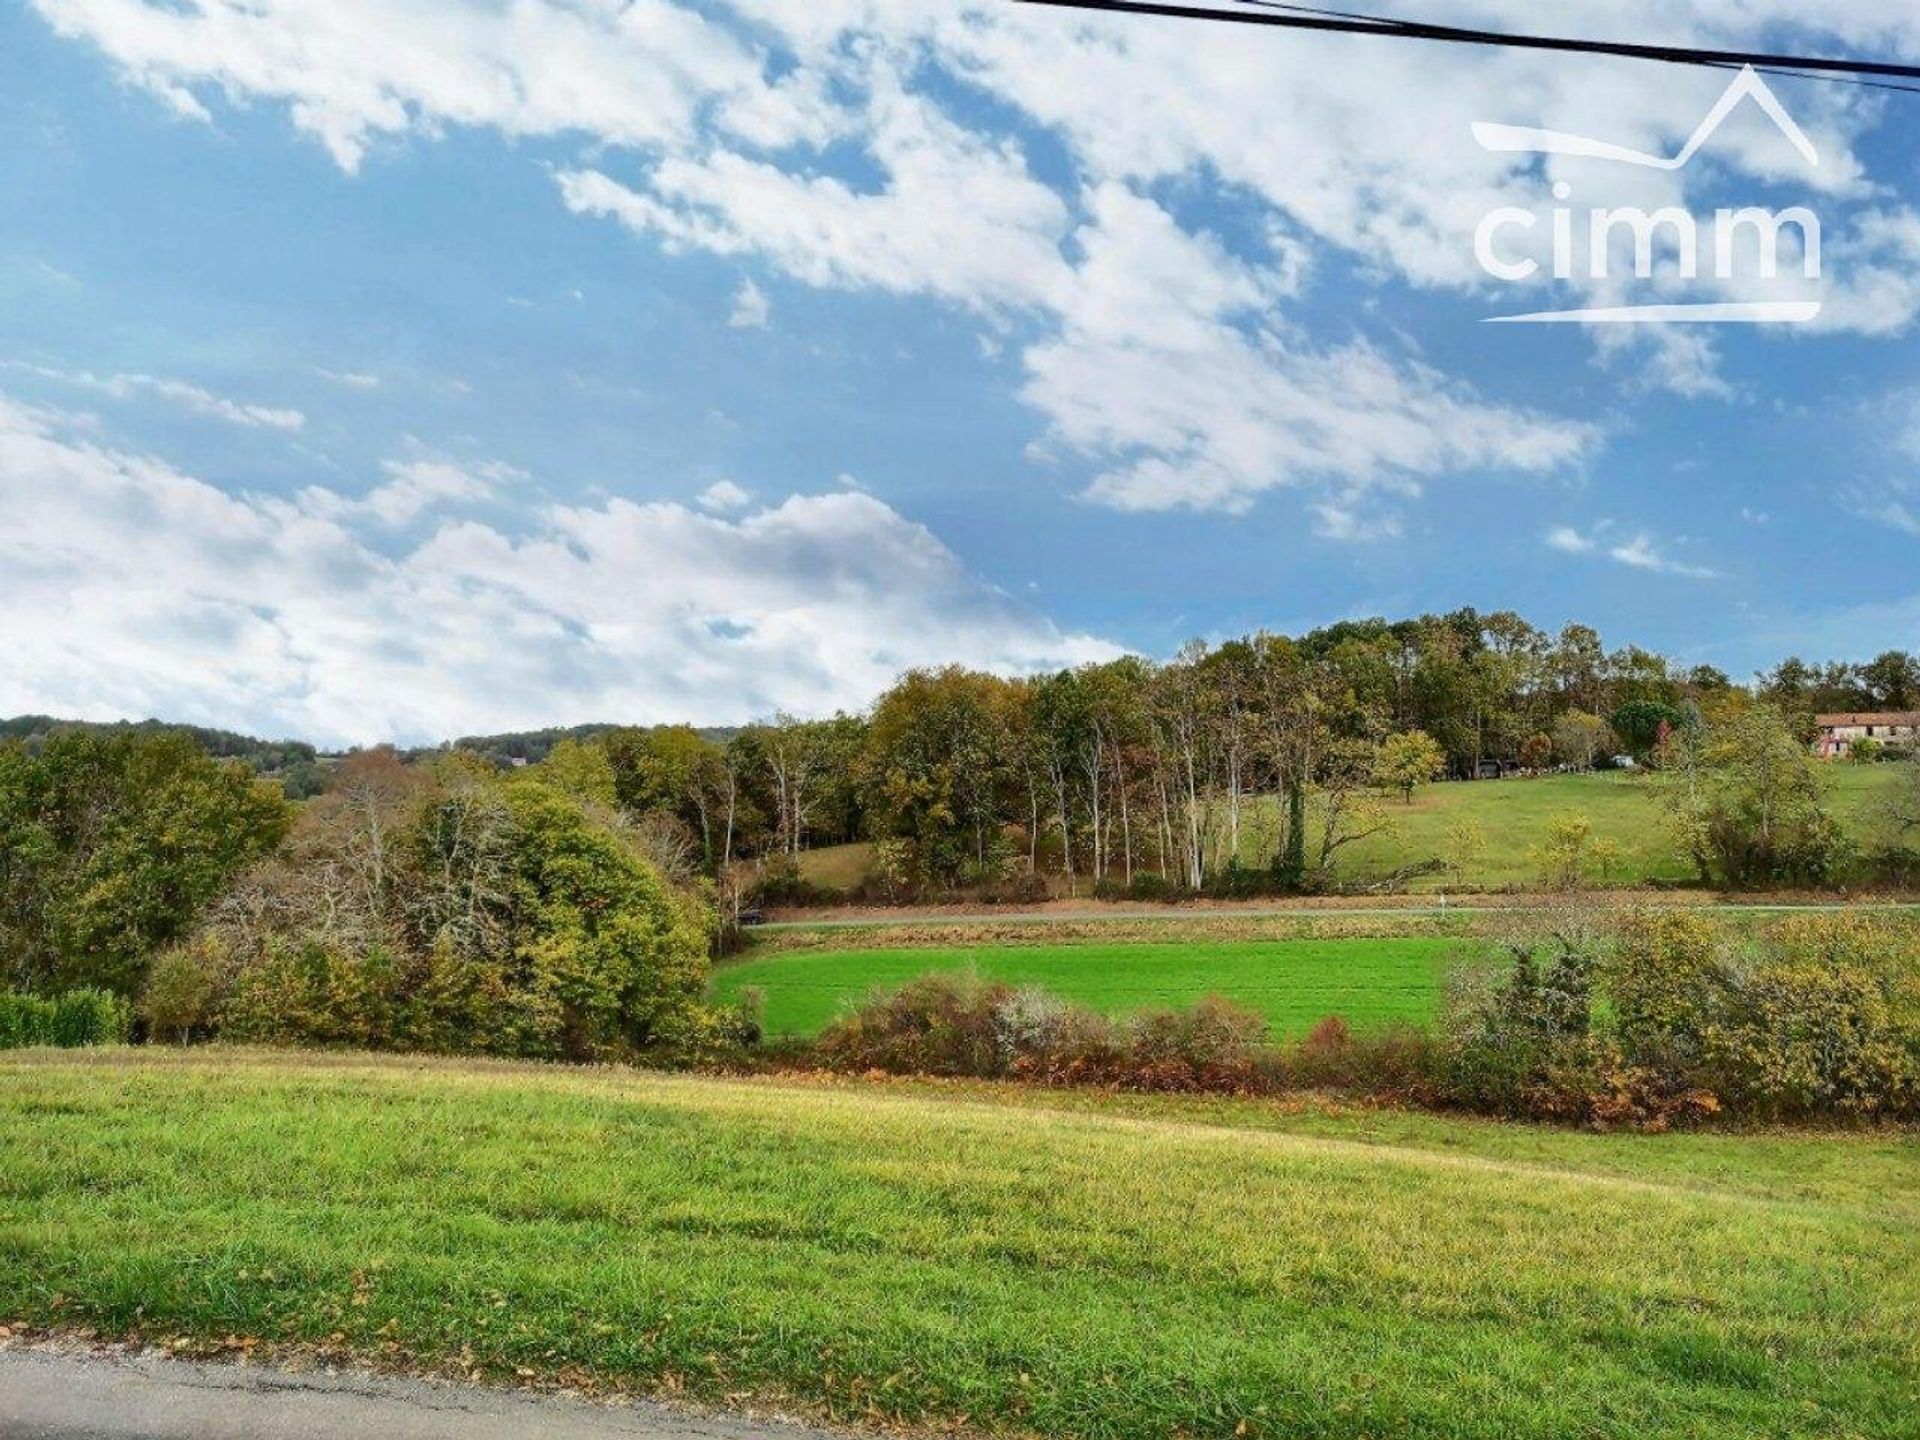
1252, 764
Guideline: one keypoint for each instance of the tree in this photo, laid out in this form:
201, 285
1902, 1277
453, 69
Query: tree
1536, 751
1892, 679
1407, 760
1642, 724
1745, 798
1348, 808
111, 844
1561, 856
935, 768
583, 771
510, 917
1580, 738
1466, 842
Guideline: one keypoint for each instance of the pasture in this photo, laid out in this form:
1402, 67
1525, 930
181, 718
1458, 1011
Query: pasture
995, 1260
1294, 983
1512, 817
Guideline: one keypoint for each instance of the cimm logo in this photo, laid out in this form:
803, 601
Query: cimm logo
1669, 237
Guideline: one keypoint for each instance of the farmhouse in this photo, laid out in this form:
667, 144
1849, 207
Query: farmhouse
1897, 728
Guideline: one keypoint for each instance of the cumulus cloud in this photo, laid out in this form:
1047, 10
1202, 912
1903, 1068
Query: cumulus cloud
825, 141
137, 589
724, 495
413, 488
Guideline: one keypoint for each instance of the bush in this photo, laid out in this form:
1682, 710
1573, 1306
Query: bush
1668, 1018
1213, 1045
182, 987
71, 1020
449, 909
1826, 1019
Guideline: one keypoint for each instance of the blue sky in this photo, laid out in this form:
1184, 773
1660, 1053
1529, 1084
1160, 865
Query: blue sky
384, 372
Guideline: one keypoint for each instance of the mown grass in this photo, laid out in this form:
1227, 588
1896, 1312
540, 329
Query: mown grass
1294, 983
1513, 816
1051, 1265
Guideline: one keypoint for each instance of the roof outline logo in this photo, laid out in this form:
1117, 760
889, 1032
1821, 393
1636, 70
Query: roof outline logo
1686, 231
1747, 85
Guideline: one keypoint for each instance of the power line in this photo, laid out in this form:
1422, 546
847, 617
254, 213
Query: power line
1401, 29
1306, 17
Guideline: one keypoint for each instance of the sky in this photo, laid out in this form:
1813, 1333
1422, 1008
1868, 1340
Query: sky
390, 371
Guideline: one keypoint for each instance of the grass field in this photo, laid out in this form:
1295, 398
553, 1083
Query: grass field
1513, 815
1030, 1263
1293, 982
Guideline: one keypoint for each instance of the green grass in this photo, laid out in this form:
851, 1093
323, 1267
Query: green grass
1513, 815
1293, 982
839, 867
1035, 1264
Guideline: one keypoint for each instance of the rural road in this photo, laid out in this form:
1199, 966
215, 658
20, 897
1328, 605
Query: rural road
1296, 912
47, 1395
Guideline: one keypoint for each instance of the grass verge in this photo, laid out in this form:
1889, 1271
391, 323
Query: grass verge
1020, 1263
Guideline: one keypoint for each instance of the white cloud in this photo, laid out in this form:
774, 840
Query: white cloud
1565, 537
725, 128
724, 495
415, 487
1642, 554
178, 392
751, 308
958, 215
351, 379
1172, 365
629, 74
1639, 551
152, 592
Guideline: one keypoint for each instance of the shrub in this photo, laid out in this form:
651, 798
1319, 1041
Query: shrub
936, 1025
1668, 1018
182, 987
1826, 1019
1157, 889
449, 909
70, 1020
1213, 1045
959, 1025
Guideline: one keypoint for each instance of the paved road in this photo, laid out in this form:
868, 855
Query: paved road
48, 1396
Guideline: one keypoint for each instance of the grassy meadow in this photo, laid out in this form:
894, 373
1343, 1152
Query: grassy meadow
1294, 983
1019, 1263
1513, 815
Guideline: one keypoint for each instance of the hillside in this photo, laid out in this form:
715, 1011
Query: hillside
1513, 816
295, 763
919, 1254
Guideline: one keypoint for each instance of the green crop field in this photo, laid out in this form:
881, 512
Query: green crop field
1293, 982
1513, 816
1015, 1262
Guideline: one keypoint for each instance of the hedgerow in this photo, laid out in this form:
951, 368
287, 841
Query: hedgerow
70, 1020
1661, 1020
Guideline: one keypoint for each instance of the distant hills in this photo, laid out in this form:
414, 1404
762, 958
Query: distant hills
302, 767
299, 767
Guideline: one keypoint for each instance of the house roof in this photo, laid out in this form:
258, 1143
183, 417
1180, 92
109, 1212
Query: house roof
1868, 717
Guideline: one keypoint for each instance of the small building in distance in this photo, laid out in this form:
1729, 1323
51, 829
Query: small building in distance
1896, 729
